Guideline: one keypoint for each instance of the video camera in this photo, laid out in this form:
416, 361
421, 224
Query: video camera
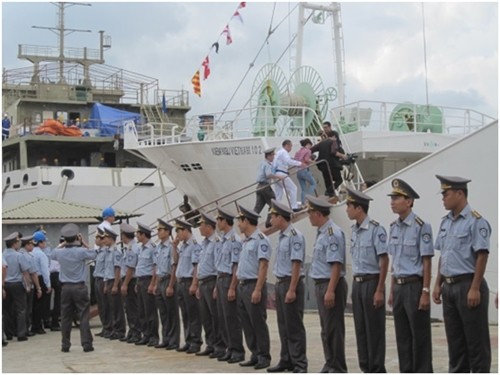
351, 159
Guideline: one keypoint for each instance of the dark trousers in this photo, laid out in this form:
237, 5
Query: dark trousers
209, 316
291, 325
75, 300
102, 305
132, 310
327, 177
168, 307
413, 329
38, 307
30, 296
369, 325
55, 313
333, 326
229, 319
467, 330
254, 321
149, 307
264, 197
117, 314
190, 309
15, 303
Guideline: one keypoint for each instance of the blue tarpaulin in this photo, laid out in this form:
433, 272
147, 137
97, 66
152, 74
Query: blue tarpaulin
110, 120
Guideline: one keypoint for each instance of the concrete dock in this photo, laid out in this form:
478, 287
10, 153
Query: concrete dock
42, 353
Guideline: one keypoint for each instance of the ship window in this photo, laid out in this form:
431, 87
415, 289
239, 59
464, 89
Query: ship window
25, 179
68, 173
197, 166
186, 167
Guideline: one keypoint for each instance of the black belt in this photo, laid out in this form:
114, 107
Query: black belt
407, 280
262, 183
98, 278
283, 279
185, 279
458, 278
207, 279
247, 281
144, 277
163, 278
78, 283
279, 170
223, 275
363, 278
321, 281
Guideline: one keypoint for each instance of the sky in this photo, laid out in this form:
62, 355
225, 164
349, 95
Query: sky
384, 47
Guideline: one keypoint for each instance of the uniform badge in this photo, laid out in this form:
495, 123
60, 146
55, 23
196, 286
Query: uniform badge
382, 237
333, 246
117, 257
484, 232
130, 258
297, 245
426, 237
263, 248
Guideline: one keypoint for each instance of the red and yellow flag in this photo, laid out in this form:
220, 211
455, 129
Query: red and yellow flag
196, 83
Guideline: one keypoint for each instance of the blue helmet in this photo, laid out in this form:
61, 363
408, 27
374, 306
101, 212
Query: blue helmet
107, 212
39, 236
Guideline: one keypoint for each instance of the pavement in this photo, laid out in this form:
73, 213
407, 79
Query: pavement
42, 353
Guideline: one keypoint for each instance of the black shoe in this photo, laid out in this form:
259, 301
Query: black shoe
236, 359
250, 363
280, 367
8, 337
65, 350
299, 370
39, 331
23, 338
116, 336
184, 348
133, 340
205, 352
31, 334
144, 341
161, 346
5, 343
125, 338
152, 343
226, 357
46, 324
55, 329
217, 355
261, 365
172, 347
106, 335
87, 349
193, 350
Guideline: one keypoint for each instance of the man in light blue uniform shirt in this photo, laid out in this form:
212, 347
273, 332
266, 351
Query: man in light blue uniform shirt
72, 258
411, 249
265, 177
99, 269
289, 291
188, 252
464, 242
328, 271
252, 289
42, 269
370, 262
227, 262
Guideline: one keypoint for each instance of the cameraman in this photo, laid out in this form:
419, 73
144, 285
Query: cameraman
337, 155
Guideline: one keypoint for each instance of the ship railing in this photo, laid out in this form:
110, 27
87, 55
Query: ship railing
376, 116
26, 50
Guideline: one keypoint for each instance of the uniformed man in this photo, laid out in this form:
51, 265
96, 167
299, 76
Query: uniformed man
206, 273
464, 242
108, 218
411, 249
99, 269
42, 270
188, 251
16, 283
370, 263
146, 282
166, 288
281, 163
289, 291
265, 177
328, 271
55, 295
252, 289
112, 284
72, 258
227, 282
129, 281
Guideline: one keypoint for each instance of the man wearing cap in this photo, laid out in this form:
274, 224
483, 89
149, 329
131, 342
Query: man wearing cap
411, 250
227, 262
108, 217
252, 289
42, 269
112, 285
99, 272
265, 177
15, 290
188, 252
328, 271
464, 242
206, 274
289, 291
166, 288
281, 163
146, 276
72, 258
129, 281
35, 291
370, 262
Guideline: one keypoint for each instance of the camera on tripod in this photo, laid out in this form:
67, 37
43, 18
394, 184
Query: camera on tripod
351, 159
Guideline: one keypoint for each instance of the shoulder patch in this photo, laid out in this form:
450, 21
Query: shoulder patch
419, 221
374, 222
476, 214
217, 239
195, 242
261, 235
233, 238
330, 231
393, 223
293, 231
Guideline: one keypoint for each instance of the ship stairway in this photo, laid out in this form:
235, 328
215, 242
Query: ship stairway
154, 114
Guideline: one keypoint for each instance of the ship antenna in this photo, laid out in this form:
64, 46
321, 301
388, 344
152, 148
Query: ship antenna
425, 57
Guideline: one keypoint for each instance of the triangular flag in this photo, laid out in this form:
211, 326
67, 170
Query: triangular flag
242, 5
226, 31
216, 45
238, 15
196, 83
206, 70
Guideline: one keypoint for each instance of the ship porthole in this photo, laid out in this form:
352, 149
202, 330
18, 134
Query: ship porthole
68, 173
25, 179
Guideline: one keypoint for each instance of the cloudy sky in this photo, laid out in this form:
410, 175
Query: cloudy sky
383, 46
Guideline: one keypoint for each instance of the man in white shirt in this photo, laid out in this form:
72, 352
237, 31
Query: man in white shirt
282, 161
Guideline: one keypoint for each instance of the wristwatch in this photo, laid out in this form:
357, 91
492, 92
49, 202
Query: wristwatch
426, 290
